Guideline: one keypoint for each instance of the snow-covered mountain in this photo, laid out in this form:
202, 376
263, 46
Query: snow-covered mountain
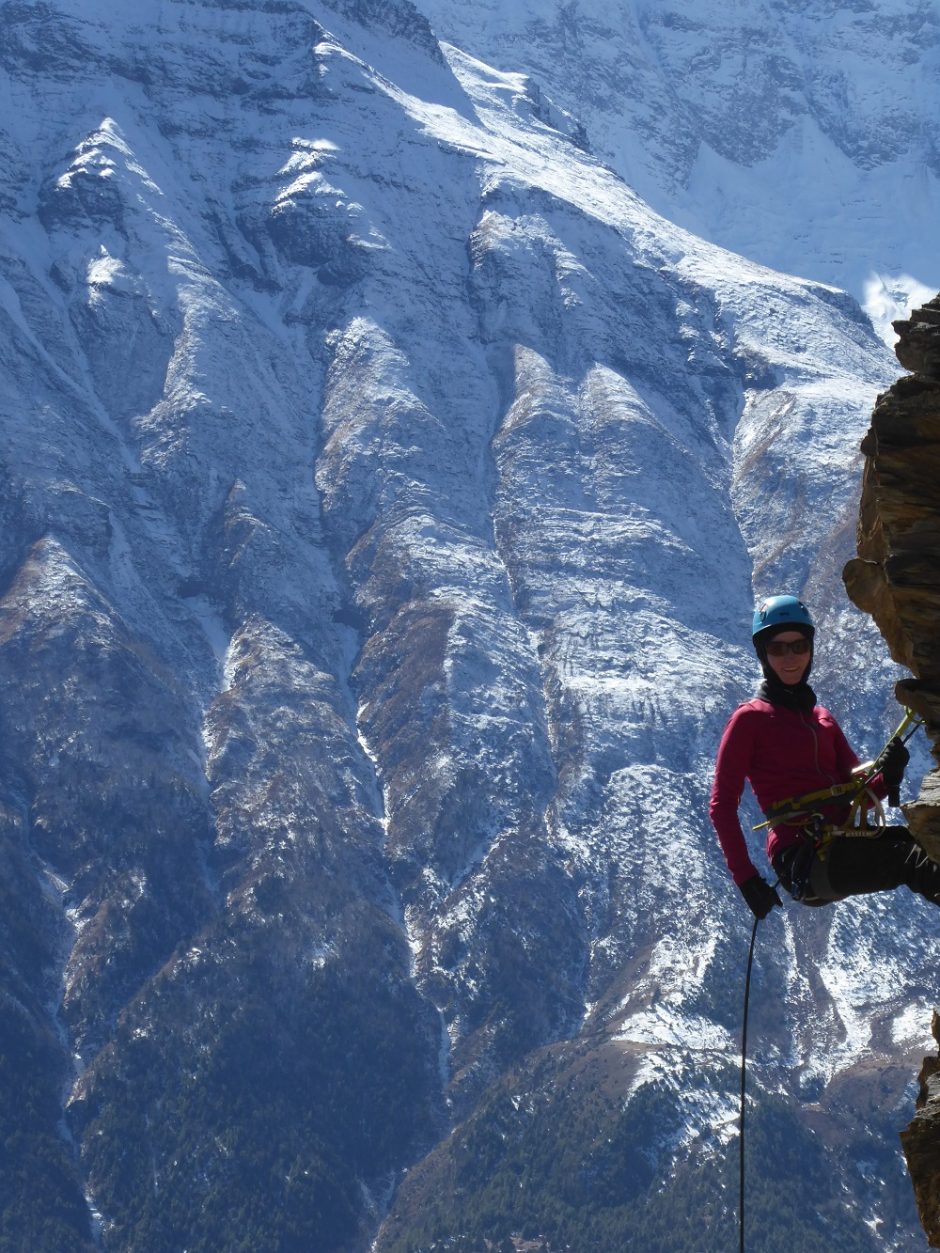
800, 133
386, 488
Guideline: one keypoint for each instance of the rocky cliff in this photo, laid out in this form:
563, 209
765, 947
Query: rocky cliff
896, 578
921, 1142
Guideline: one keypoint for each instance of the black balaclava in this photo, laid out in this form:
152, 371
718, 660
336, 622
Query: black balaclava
798, 696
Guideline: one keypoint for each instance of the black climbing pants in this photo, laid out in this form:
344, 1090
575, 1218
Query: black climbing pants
855, 865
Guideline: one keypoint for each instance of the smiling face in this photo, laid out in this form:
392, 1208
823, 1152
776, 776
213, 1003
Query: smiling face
790, 667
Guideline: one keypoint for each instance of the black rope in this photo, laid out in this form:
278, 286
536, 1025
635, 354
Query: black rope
747, 996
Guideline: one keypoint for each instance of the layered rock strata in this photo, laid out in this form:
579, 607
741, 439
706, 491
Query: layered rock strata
896, 578
921, 1141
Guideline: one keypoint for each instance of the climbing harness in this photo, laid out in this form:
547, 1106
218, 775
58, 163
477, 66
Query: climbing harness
795, 808
865, 818
806, 864
803, 809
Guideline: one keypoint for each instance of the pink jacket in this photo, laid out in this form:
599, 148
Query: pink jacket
780, 752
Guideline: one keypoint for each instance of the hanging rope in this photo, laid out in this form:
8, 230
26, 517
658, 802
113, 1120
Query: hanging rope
747, 997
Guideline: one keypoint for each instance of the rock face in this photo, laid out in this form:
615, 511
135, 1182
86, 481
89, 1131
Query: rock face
896, 578
921, 1143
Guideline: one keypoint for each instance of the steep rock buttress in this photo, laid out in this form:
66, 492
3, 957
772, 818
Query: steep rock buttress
896, 578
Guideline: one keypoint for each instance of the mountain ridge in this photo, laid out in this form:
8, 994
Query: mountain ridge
782, 131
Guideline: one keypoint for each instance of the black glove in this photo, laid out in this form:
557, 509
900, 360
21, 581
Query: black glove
892, 762
760, 896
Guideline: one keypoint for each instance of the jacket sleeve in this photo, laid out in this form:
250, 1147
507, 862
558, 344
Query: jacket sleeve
731, 770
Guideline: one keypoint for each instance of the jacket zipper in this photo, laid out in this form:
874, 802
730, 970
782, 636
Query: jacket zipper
812, 730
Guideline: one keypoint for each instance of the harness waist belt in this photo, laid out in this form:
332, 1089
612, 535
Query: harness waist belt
794, 806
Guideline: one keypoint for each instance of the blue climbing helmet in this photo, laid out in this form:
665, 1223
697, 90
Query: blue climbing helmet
781, 611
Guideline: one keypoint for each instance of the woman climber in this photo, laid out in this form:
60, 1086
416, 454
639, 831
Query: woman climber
790, 749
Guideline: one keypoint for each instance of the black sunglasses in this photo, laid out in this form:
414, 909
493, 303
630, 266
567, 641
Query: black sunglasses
780, 648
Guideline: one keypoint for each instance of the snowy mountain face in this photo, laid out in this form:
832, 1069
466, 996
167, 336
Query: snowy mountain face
800, 133
386, 489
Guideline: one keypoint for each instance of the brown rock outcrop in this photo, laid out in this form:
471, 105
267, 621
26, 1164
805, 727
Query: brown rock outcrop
896, 578
918, 347
921, 1143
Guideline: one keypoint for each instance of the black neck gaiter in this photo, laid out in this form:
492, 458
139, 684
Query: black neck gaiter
800, 697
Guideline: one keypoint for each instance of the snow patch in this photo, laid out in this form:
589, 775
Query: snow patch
888, 298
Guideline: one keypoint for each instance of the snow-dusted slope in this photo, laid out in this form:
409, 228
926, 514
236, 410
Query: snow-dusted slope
386, 490
802, 135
